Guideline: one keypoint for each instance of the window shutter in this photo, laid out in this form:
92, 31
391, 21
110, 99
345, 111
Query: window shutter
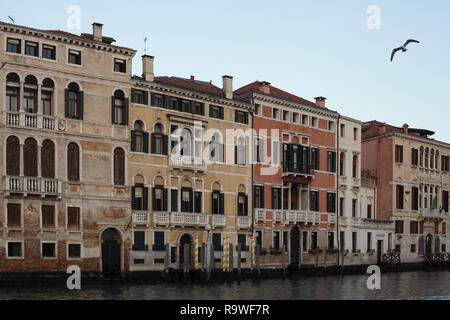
166, 102
246, 118
246, 206
421, 246
146, 98
145, 198
210, 111
235, 155
153, 199
174, 200
279, 199
66, 103
254, 197
133, 141
221, 113
153, 144
113, 116
236, 115
146, 136
222, 203
133, 96
273, 198
165, 145
203, 109
165, 200
152, 99
191, 202
262, 197
133, 198
125, 111
81, 106
212, 203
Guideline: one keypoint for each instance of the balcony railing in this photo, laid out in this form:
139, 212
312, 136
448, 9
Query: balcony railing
187, 162
161, 218
189, 219
431, 214
244, 222
297, 168
332, 219
261, 215
141, 217
278, 215
33, 185
316, 218
219, 220
30, 120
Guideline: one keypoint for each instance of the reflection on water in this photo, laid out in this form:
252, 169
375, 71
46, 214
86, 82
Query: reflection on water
409, 285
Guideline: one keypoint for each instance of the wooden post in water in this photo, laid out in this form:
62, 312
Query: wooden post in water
203, 255
187, 260
325, 258
167, 259
258, 262
283, 261
239, 261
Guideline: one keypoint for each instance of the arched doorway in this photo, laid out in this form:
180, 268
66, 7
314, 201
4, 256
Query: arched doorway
185, 239
295, 247
111, 250
429, 245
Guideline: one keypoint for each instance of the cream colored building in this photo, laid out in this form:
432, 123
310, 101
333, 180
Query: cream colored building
184, 171
60, 201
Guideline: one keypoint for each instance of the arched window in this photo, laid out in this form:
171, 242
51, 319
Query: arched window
216, 148
12, 92
186, 143
48, 159
437, 160
13, 156
139, 194
73, 162
30, 160
432, 159
74, 102
421, 156
355, 166
427, 152
119, 167
48, 87
159, 140
217, 200
119, 108
30, 95
240, 151
139, 138
342, 164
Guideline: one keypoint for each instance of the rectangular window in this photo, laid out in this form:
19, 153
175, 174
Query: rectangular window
74, 57
73, 218
14, 215
198, 108
355, 134
331, 161
275, 113
216, 112
158, 100
399, 227
242, 240
12, 98
159, 242
414, 198
314, 122
186, 106
314, 240
330, 240
415, 157
48, 217
445, 197
242, 205
295, 117
398, 154
444, 229
138, 96
120, 65
354, 242
331, 202
74, 251
32, 49
276, 198
217, 241
414, 227
354, 208
259, 197
14, 249
46, 102
314, 200
49, 52
400, 197
285, 115
330, 125
315, 159
241, 117
342, 130
305, 241
445, 163
341, 207
13, 45
48, 250
276, 240
413, 248
275, 153
369, 211
198, 196
369, 241
304, 120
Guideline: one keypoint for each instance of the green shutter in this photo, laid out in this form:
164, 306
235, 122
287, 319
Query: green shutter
133, 141
133, 197
146, 98
81, 105
221, 113
145, 199
262, 197
273, 198
222, 203
152, 99
246, 206
146, 136
133, 95
153, 144
174, 200
165, 200
153, 199
246, 118
165, 145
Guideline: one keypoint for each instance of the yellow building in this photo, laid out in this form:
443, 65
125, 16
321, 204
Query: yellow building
185, 173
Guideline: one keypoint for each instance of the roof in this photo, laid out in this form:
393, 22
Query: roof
272, 91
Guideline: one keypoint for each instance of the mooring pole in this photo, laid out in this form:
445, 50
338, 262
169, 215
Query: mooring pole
239, 262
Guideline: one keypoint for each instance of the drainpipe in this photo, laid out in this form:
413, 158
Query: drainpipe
252, 102
338, 128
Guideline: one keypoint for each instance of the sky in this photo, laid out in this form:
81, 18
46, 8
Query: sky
309, 48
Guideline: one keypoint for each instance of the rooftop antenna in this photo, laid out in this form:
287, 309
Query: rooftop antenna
12, 19
145, 45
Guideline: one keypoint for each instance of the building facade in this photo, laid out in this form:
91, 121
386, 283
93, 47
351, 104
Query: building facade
294, 175
190, 169
64, 140
413, 187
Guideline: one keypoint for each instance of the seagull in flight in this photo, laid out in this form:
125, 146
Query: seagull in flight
403, 48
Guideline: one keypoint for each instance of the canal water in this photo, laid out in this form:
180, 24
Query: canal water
432, 285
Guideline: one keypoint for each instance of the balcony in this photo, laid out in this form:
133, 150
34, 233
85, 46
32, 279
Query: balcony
30, 185
189, 219
30, 120
161, 218
219, 220
278, 215
244, 222
310, 217
297, 169
332, 219
141, 217
431, 214
316, 218
260, 215
186, 162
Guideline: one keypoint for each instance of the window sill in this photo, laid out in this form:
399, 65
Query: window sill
15, 258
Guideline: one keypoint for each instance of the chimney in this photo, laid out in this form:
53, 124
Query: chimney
320, 102
228, 86
97, 31
383, 128
147, 68
405, 128
265, 87
192, 78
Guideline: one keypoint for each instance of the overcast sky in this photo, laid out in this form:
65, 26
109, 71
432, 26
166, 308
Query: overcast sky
309, 48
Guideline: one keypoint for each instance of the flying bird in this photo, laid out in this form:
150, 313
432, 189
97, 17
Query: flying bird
403, 48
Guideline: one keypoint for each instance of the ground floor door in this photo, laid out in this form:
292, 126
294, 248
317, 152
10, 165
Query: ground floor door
295, 247
111, 252
185, 239
380, 252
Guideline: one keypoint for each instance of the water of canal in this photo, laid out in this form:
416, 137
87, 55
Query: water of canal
427, 285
